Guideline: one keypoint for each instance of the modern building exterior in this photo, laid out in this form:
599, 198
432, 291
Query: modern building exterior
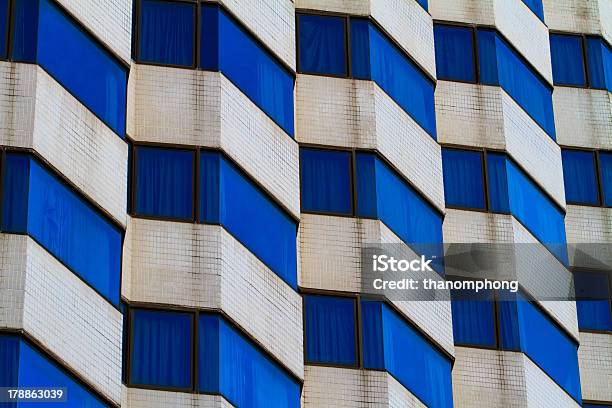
188, 190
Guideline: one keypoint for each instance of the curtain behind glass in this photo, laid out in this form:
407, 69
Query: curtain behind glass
9, 361
167, 32
579, 177
3, 28
161, 348
463, 178
325, 181
330, 330
321, 44
25, 30
15, 187
473, 319
537, 8
567, 60
371, 335
599, 60
605, 164
498, 182
454, 53
593, 300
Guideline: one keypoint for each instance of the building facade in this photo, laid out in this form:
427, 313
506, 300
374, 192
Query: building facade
188, 189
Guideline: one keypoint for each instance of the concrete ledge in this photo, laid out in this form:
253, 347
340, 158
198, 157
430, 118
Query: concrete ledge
330, 249
590, 229
583, 117
273, 21
580, 16
486, 116
199, 108
203, 266
405, 20
595, 359
345, 387
478, 227
358, 114
51, 304
110, 20
38, 113
141, 398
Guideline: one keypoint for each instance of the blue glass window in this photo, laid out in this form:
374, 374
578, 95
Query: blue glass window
463, 178
161, 349
375, 57
510, 190
567, 60
229, 198
167, 33
25, 30
3, 28
26, 367
599, 60
164, 182
330, 330
537, 8
454, 53
605, 166
36, 202
253, 70
325, 180
593, 301
73, 58
501, 65
473, 318
422, 3
234, 367
321, 44
410, 358
384, 195
580, 177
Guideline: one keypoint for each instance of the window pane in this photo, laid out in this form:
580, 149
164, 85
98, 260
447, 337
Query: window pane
25, 30
473, 319
321, 44
330, 330
167, 32
325, 181
509, 331
254, 71
454, 53
3, 27
579, 177
233, 366
9, 361
599, 60
36, 202
463, 178
161, 348
248, 214
605, 164
164, 182
73, 58
371, 335
537, 8
593, 300
567, 60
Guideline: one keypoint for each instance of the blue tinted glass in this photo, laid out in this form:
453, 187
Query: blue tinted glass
161, 348
415, 362
473, 319
605, 164
73, 58
209, 44
537, 7
567, 60
209, 187
509, 330
549, 347
593, 301
9, 360
382, 194
167, 32
371, 335
321, 44
256, 72
234, 367
454, 53
463, 178
25, 28
579, 177
36, 370
250, 216
330, 330
487, 57
360, 48
498, 182
325, 181
3, 27
164, 182
599, 60
422, 3
64, 224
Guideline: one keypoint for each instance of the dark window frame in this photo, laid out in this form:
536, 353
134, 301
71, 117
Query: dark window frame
598, 180
485, 180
